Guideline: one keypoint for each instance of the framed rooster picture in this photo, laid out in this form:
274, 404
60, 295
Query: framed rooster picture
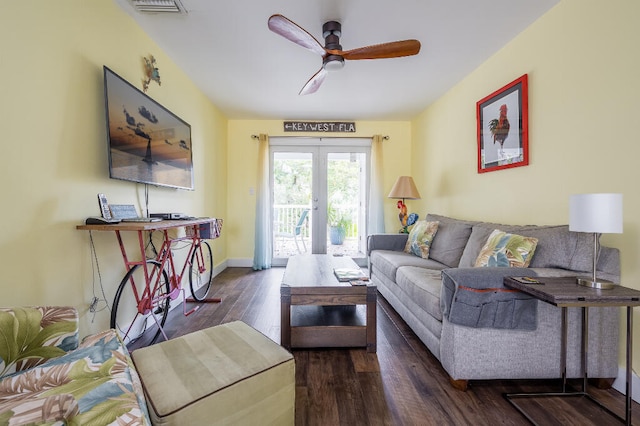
503, 140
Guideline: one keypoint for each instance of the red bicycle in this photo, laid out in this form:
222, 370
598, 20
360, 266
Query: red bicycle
144, 296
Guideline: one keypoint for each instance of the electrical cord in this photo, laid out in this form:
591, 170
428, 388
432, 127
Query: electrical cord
146, 199
150, 244
95, 269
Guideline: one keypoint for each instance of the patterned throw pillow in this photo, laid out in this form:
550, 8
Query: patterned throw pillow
420, 238
507, 250
99, 376
35, 334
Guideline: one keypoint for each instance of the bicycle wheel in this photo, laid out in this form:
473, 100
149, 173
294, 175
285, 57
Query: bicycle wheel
200, 271
132, 311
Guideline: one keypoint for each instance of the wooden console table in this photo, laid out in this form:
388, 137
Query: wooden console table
148, 226
195, 229
161, 277
565, 293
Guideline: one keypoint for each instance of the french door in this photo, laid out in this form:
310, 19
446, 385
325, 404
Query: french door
319, 191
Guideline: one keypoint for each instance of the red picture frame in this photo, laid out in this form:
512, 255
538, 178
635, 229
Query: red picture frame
503, 127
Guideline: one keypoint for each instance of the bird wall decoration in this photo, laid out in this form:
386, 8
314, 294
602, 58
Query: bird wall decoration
151, 72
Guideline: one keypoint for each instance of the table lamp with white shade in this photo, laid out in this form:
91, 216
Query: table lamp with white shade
597, 214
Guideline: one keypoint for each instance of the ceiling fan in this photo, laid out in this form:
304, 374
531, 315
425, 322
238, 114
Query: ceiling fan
332, 54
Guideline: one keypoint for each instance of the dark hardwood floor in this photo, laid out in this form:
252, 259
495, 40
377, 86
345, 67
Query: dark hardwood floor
401, 384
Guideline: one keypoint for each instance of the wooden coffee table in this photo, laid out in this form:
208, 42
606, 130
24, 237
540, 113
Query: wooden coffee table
317, 310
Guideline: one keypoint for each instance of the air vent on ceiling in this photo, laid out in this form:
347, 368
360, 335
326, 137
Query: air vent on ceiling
155, 6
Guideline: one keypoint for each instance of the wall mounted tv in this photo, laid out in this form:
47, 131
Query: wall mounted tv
147, 142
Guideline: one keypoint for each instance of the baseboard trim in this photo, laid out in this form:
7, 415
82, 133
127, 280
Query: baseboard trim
239, 263
221, 267
248, 263
620, 383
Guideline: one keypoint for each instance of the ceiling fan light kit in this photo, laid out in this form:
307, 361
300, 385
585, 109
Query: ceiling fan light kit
333, 56
331, 31
333, 63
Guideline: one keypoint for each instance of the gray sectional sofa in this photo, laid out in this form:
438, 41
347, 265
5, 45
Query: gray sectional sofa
518, 338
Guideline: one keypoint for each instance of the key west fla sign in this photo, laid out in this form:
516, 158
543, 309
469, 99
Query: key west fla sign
320, 126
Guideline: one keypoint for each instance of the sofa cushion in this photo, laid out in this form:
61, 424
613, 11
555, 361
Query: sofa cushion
388, 262
98, 375
451, 239
423, 286
53, 410
557, 247
507, 250
420, 238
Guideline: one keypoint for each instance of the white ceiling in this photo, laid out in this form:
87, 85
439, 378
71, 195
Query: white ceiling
248, 72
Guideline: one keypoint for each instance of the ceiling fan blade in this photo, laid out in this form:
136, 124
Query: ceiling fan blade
314, 82
394, 49
295, 33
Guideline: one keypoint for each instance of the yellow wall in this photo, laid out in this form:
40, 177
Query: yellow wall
582, 60
54, 148
243, 155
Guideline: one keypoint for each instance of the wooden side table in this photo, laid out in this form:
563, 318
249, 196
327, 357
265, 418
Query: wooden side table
565, 293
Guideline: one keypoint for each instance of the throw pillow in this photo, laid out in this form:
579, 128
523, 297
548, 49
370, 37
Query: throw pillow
420, 238
38, 334
507, 250
99, 375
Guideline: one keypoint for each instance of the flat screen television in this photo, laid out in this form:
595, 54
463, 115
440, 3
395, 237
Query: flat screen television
147, 142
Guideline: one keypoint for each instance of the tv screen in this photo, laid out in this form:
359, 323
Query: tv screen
147, 142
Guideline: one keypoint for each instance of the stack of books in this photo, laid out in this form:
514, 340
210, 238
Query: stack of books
354, 276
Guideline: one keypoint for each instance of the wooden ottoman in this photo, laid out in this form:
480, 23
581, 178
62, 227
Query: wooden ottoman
227, 374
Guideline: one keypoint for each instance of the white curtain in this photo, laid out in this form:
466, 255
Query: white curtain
376, 197
262, 255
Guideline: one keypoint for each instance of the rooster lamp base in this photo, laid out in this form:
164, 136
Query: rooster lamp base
406, 220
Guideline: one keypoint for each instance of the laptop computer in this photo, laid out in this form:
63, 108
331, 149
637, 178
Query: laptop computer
128, 213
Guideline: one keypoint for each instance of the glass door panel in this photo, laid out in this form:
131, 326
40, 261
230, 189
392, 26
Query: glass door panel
292, 215
345, 200
319, 199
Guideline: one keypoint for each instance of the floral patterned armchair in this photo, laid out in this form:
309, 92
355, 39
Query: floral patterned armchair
47, 378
